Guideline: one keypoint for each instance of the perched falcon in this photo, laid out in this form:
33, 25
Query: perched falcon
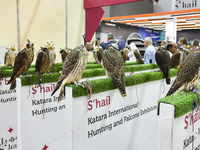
125, 54
138, 56
97, 54
10, 55
52, 54
42, 61
112, 61
163, 60
73, 67
64, 53
22, 63
176, 59
188, 74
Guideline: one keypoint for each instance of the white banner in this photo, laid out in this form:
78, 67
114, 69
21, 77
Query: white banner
186, 132
8, 117
41, 120
112, 123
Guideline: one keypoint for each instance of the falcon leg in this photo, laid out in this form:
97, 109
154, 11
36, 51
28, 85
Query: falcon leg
195, 90
78, 83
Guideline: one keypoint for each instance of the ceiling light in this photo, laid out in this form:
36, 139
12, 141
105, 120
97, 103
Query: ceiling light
121, 20
110, 24
186, 14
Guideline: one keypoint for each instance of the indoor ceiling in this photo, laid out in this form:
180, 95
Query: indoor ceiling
186, 19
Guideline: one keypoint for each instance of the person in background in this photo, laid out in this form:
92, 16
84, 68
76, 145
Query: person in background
149, 55
182, 44
195, 44
171, 47
164, 43
131, 55
111, 39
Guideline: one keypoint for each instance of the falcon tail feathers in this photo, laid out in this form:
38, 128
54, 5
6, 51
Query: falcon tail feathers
174, 89
61, 94
168, 80
121, 86
13, 84
57, 87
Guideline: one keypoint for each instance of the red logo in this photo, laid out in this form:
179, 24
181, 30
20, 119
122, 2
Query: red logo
45, 147
10, 130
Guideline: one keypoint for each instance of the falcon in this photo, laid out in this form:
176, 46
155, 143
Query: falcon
22, 63
163, 61
73, 67
64, 53
52, 54
9, 57
138, 56
42, 61
113, 64
176, 59
188, 74
125, 54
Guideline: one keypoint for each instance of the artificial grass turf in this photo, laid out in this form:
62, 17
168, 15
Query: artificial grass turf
183, 103
99, 85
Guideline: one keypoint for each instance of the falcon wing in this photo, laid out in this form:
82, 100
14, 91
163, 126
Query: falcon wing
19, 60
71, 61
6, 54
99, 54
114, 64
40, 59
138, 56
64, 55
189, 68
175, 59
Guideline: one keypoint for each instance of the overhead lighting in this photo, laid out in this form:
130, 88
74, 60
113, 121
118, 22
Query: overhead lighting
142, 23
110, 24
160, 20
186, 14
121, 20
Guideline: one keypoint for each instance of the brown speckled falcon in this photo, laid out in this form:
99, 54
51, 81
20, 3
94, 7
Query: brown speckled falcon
163, 60
10, 55
113, 63
125, 54
64, 53
73, 68
138, 56
22, 63
188, 75
176, 59
52, 54
42, 61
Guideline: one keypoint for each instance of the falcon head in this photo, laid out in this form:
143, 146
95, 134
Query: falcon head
49, 46
29, 44
12, 48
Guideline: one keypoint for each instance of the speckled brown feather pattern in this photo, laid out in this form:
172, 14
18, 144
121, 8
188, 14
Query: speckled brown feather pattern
176, 59
163, 60
188, 74
138, 57
113, 62
42, 61
73, 68
9, 57
22, 63
125, 54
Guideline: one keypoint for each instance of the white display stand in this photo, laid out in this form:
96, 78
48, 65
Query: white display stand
102, 122
8, 117
41, 125
178, 133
